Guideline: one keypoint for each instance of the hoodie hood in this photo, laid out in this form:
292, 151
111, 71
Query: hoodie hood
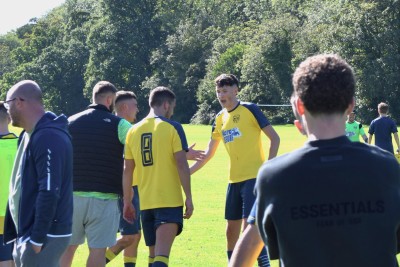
51, 120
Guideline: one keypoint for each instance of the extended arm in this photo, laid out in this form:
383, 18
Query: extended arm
184, 176
193, 154
127, 177
274, 139
212, 147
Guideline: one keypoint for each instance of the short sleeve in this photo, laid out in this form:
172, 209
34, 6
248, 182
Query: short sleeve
179, 142
123, 128
129, 145
371, 129
258, 115
216, 128
394, 128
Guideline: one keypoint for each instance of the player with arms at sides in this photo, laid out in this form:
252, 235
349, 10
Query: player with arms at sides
156, 150
383, 127
313, 209
239, 125
126, 107
40, 205
354, 129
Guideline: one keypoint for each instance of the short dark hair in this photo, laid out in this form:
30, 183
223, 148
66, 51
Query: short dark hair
124, 95
325, 83
3, 111
2, 107
103, 87
159, 95
226, 79
383, 108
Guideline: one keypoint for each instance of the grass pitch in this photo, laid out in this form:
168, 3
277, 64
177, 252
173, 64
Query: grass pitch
202, 242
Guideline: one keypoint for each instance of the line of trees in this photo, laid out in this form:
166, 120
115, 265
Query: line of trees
185, 44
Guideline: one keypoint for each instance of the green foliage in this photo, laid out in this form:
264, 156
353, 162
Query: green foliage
8, 43
138, 45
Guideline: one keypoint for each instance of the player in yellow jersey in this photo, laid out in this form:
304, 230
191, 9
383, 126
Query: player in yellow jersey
239, 125
156, 150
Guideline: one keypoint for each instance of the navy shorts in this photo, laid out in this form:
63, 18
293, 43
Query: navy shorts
6, 250
125, 228
252, 216
153, 218
239, 199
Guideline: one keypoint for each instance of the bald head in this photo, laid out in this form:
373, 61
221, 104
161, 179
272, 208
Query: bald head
25, 104
27, 90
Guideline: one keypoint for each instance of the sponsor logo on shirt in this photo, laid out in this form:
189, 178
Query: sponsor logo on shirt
231, 134
350, 134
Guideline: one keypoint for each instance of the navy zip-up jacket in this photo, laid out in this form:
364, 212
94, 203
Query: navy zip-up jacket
46, 202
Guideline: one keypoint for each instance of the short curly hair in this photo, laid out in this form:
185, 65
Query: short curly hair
325, 83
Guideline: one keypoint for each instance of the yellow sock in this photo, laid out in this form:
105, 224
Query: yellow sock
162, 259
151, 260
110, 255
129, 259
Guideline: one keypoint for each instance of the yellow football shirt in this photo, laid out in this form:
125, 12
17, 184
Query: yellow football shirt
240, 130
151, 143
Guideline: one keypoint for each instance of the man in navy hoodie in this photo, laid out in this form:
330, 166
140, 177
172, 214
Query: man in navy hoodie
39, 212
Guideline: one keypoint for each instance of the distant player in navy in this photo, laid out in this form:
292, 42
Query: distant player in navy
313, 208
383, 127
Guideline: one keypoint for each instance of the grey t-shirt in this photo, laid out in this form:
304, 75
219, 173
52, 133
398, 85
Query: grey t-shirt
15, 182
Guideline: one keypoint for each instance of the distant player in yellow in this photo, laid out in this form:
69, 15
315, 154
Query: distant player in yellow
239, 125
354, 129
156, 150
